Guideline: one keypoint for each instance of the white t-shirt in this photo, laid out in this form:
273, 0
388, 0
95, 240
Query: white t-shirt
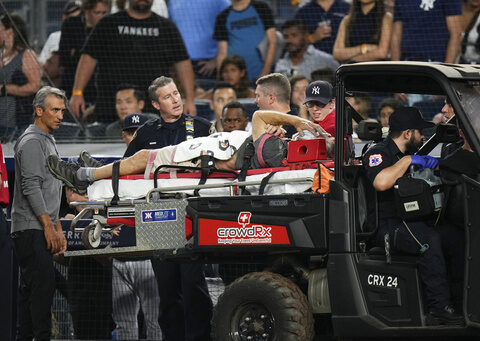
52, 44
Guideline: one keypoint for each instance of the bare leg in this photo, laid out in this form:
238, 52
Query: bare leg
134, 164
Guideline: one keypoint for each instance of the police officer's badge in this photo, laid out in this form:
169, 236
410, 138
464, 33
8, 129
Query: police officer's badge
374, 160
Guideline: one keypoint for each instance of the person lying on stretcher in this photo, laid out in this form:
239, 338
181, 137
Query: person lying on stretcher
227, 149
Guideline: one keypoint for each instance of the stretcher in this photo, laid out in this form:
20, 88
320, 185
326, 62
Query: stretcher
157, 207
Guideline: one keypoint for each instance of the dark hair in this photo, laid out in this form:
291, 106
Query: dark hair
90, 4
17, 24
355, 10
300, 24
389, 102
325, 74
244, 85
234, 105
297, 78
221, 85
393, 134
137, 93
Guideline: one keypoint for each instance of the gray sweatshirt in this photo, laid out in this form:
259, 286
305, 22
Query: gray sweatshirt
36, 190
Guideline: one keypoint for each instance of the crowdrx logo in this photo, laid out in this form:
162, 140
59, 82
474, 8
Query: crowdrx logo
245, 233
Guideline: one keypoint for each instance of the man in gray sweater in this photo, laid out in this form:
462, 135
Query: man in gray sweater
36, 230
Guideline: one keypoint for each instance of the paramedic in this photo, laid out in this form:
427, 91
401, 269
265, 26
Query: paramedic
386, 162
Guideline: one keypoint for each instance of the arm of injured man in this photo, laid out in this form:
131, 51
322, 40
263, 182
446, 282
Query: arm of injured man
262, 118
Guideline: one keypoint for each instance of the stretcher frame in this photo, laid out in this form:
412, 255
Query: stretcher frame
152, 239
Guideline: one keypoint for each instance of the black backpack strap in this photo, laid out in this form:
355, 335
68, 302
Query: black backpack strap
207, 164
264, 183
115, 181
247, 161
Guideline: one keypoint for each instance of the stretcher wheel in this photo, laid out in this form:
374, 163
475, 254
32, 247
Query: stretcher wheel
88, 237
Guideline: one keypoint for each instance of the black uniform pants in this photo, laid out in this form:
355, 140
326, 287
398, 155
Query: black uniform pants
185, 304
37, 285
431, 263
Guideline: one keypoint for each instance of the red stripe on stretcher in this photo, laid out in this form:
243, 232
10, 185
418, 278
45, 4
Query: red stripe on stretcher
197, 175
118, 221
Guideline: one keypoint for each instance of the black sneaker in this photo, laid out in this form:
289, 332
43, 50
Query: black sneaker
88, 161
67, 172
445, 316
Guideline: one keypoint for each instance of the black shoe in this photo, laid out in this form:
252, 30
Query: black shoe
88, 161
445, 316
67, 172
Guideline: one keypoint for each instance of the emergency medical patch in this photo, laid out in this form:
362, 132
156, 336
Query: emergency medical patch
374, 160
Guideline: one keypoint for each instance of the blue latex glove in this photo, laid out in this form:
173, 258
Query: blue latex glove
424, 161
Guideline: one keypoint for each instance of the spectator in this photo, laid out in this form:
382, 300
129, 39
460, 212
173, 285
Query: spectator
130, 125
197, 31
364, 34
298, 84
240, 28
327, 75
49, 58
36, 230
301, 57
470, 19
173, 126
234, 117
222, 94
128, 100
158, 6
386, 108
71, 9
234, 71
430, 31
20, 75
362, 103
320, 103
322, 18
75, 31
134, 46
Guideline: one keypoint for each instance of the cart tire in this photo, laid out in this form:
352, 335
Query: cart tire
87, 237
263, 306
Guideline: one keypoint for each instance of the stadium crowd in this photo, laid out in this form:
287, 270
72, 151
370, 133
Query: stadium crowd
109, 58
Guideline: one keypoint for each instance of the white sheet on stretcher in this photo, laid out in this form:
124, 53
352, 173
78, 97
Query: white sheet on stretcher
135, 189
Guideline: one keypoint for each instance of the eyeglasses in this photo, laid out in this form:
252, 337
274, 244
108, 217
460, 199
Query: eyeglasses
312, 104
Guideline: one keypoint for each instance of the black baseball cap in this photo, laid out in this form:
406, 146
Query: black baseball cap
134, 121
319, 91
405, 118
70, 7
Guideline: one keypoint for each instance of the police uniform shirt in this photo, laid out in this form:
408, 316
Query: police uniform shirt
157, 133
378, 157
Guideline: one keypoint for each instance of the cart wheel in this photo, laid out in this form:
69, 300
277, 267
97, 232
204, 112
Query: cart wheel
262, 306
88, 237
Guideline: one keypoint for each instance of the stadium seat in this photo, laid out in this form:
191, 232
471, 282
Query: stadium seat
203, 109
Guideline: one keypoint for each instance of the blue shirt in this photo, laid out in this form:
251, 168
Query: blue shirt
425, 35
244, 30
313, 14
196, 20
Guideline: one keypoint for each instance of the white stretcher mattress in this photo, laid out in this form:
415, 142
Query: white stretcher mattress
135, 189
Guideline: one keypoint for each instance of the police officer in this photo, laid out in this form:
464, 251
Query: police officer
173, 126
185, 304
385, 163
